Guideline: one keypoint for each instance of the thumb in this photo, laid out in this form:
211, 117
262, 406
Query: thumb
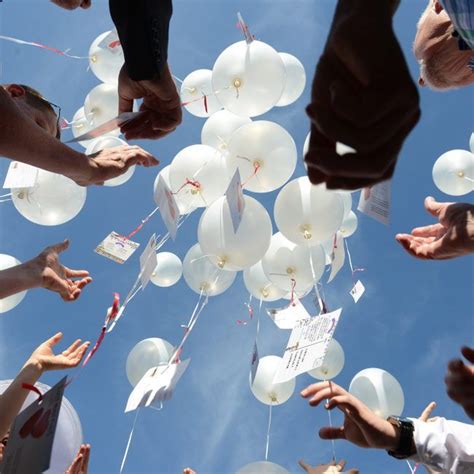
304, 465
434, 207
61, 246
468, 353
52, 341
332, 433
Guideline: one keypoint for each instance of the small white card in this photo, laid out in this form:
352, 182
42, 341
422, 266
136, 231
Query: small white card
375, 202
112, 43
338, 257
357, 291
148, 262
285, 318
32, 435
20, 175
254, 363
168, 208
117, 247
235, 200
307, 345
156, 385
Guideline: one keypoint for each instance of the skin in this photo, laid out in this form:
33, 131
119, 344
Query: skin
45, 271
330, 468
27, 134
451, 237
80, 465
42, 359
460, 381
363, 96
72, 4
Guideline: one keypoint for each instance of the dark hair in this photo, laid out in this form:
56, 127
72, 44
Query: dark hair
37, 100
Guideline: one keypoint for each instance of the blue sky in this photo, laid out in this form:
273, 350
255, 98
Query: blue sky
413, 318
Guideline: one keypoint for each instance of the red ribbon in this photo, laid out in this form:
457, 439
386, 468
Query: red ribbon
205, 104
191, 182
293, 286
32, 388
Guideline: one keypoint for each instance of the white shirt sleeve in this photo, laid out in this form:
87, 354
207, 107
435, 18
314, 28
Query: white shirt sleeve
445, 445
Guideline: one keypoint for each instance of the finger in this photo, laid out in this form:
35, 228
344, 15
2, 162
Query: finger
328, 432
304, 465
72, 347
85, 464
78, 354
342, 464
428, 230
316, 387
321, 395
60, 247
82, 283
76, 465
468, 353
456, 366
125, 102
60, 285
433, 207
52, 341
427, 411
75, 273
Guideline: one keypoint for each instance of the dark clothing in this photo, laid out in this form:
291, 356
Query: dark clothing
143, 27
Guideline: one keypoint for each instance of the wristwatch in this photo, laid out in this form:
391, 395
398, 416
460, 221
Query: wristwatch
406, 446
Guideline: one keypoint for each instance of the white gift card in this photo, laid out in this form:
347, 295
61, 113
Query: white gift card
307, 345
148, 262
339, 257
254, 363
156, 385
112, 43
117, 247
375, 202
20, 175
285, 318
32, 435
167, 205
357, 291
235, 200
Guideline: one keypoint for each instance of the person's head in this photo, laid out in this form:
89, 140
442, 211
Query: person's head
442, 64
35, 106
3, 445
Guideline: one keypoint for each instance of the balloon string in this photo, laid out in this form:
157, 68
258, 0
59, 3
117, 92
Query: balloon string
469, 179
125, 454
204, 97
6, 200
191, 182
268, 431
143, 222
322, 305
42, 46
176, 78
249, 309
353, 270
292, 295
330, 424
5, 195
256, 167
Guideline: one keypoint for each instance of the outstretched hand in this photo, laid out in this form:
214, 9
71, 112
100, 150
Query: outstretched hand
452, 236
45, 359
80, 465
329, 468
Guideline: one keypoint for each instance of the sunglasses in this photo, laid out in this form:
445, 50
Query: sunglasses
56, 109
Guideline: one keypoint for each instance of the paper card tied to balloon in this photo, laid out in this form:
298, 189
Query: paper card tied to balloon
169, 210
235, 200
375, 202
112, 43
148, 262
338, 257
254, 363
156, 385
117, 247
32, 435
20, 175
357, 291
307, 345
286, 318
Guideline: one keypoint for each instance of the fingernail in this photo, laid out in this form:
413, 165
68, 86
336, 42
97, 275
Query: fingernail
303, 392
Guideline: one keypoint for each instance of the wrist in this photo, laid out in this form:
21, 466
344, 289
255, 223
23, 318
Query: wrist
80, 169
33, 369
393, 439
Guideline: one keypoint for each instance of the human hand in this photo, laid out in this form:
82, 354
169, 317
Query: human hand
362, 426
72, 4
452, 237
188, 470
362, 96
48, 272
112, 162
460, 381
161, 105
44, 359
329, 468
80, 465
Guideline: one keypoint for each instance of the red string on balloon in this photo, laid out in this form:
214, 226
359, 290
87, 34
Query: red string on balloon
293, 286
256, 167
191, 182
34, 389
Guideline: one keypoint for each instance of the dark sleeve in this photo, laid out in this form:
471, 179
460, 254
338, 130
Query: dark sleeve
143, 27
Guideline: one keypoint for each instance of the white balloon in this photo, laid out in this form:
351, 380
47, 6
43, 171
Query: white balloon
328, 247
202, 276
168, 270
193, 89
53, 200
101, 104
349, 225
68, 437
265, 154
295, 80
379, 390
333, 362
8, 303
471, 143
262, 467
288, 266
102, 143
248, 79
347, 203
207, 167
148, 353
264, 389
453, 172
80, 125
104, 62
235, 250
182, 206
308, 214
341, 149
291, 295
219, 127
259, 286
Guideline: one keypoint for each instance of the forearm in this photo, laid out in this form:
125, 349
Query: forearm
22, 140
19, 278
143, 28
15, 395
